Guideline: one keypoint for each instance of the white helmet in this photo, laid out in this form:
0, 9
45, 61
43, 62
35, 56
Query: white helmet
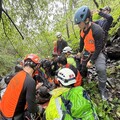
66, 77
67, 49
58, 34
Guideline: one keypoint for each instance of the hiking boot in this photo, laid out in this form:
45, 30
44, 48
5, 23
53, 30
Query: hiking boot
104, 95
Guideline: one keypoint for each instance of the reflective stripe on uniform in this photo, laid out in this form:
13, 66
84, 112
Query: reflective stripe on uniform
58, 105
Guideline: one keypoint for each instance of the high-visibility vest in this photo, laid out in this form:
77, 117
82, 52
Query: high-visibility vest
53, 110
11, 96
89, 42
70, 104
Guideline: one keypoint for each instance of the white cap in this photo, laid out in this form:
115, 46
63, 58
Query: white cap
67, 49
58, 34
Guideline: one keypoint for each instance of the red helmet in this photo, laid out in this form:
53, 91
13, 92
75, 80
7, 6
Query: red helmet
33, 57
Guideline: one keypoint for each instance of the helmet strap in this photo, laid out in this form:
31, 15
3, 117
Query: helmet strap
36, 67
87, 25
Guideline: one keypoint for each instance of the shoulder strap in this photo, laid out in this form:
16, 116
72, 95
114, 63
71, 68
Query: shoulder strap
68, 105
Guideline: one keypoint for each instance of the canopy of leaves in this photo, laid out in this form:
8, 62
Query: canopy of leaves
38, 21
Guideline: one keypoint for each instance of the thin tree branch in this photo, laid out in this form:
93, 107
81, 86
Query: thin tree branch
9, 38
13, 23
96, 4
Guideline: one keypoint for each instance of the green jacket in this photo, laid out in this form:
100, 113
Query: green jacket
71, 61
70, 104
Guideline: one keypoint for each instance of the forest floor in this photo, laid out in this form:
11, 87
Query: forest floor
110, 109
